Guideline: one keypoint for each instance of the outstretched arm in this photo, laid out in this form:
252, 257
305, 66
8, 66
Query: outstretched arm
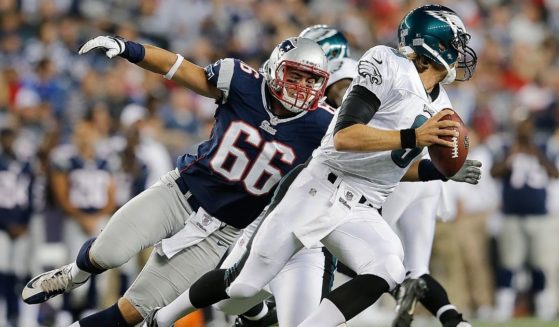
157, 60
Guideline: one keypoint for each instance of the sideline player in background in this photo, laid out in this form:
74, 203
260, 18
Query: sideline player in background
265, 126
341, 67
525, 171
17, 177
84, 187
379, 132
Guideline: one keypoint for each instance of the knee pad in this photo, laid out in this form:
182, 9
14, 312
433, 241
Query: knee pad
391, 269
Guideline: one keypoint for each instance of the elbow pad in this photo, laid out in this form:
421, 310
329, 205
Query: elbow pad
359, 107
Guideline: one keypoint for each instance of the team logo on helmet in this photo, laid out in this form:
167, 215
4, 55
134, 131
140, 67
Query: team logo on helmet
368, 70
451, 19
286, 46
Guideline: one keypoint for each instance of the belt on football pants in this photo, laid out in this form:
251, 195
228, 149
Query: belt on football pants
194, 204
332, 178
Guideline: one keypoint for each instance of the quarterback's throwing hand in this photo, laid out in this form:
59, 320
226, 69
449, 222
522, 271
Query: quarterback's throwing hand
112, 45
469, 173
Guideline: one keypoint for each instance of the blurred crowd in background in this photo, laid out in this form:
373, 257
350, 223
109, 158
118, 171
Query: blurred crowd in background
80, 135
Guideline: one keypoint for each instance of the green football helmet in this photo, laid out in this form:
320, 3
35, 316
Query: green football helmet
332, 41
437, 33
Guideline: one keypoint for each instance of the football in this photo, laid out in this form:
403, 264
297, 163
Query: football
449, 160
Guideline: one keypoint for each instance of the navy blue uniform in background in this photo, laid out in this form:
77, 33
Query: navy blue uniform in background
525, 188
16, 185
16, 179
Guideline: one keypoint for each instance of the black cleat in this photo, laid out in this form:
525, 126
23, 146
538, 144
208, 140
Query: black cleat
270, 319
407, 295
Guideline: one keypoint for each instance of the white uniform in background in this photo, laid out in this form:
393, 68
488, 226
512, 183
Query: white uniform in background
341, 68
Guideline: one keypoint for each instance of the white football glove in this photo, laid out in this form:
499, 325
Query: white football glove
112, 45
469, 173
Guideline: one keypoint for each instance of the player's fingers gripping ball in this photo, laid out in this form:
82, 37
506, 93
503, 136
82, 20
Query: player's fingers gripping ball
449, 160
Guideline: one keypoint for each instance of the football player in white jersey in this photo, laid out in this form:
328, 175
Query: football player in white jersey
411, 209
386, 119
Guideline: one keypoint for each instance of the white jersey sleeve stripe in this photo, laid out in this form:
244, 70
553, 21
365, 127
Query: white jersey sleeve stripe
225, 75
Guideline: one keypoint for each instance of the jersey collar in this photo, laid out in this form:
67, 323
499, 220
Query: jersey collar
434, 94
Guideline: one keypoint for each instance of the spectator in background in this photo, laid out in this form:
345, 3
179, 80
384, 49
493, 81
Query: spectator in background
473, 208
180, 121
83, 185
525, 172
46, 84
130, 180
16, 184
150, 151
553, 209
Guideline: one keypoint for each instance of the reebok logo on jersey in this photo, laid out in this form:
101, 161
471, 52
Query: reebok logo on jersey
267, 126
368, 70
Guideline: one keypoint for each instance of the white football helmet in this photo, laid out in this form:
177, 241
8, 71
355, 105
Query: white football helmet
297, 54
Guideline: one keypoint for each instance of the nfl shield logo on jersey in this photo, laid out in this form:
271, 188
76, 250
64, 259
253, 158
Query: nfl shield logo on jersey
206, 220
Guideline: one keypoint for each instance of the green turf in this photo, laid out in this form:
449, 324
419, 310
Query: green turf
528, 322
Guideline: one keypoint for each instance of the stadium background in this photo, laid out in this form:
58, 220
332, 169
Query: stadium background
49, 95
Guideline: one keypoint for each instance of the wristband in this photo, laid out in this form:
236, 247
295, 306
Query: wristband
175, 67
133, 52
428, 172
407, 138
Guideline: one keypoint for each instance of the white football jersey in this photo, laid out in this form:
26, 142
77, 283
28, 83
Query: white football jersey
404, 104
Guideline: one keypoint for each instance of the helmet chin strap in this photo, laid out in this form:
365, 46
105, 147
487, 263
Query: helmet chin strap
450, 72
450, 76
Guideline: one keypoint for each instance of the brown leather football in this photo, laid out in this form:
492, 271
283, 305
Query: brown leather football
449, 160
